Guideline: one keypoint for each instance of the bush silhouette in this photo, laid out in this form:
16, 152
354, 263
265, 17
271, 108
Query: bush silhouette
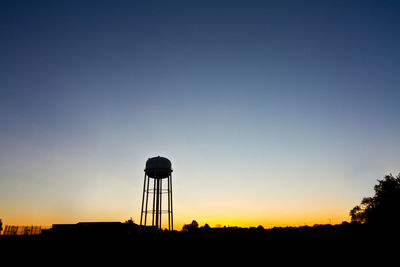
383, 209
190, 227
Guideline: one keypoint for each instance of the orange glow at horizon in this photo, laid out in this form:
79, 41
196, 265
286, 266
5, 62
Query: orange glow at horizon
212, 221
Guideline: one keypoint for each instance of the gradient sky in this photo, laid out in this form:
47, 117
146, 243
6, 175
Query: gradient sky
272, 112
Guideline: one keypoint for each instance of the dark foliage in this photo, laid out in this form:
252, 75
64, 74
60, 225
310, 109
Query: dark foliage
382, 210
190, 227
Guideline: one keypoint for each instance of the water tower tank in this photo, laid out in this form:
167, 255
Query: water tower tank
158, 167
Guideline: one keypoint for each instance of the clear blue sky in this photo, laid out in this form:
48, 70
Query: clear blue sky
272, 112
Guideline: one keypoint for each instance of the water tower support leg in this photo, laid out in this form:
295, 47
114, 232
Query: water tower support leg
144, 192
147, 201
160, 208
154, 202
171, 208
158, 204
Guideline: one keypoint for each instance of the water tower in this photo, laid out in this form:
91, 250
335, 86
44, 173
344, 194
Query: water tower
157, 171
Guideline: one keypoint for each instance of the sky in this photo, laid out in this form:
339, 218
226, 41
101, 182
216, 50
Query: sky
272, 113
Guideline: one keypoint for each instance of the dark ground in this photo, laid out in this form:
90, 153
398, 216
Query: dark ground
223, 247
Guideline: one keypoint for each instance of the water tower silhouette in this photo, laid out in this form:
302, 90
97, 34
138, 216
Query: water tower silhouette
157, 169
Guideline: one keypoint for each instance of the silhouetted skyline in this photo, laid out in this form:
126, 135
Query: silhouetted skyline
273, 112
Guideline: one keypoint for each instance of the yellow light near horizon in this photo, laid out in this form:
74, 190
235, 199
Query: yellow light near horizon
266, 223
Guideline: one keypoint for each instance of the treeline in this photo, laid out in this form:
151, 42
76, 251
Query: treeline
336, 228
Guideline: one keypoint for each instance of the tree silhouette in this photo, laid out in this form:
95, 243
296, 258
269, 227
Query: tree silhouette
383, 209
190, 227
129, 221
